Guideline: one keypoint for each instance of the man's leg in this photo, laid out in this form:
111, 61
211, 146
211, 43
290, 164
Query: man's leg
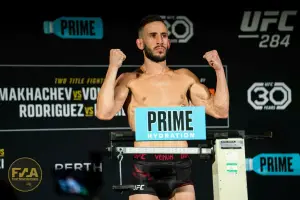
140, 178
186, 192
143, 197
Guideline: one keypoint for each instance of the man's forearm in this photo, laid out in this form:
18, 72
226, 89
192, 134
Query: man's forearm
105, 99
221, 99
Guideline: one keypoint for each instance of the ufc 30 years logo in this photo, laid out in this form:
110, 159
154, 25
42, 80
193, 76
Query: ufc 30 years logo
180, 28
269, 96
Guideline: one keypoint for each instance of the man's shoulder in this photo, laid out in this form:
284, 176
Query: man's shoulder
183, 71
131, 75
186, 72
127, 77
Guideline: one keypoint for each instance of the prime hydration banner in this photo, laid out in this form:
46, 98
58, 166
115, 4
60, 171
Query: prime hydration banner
275, 164
75, 27
170, 123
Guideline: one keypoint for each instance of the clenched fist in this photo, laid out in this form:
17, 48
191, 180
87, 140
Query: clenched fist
116, 58
213, 59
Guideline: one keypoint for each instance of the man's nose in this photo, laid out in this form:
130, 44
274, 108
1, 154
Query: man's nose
159, 40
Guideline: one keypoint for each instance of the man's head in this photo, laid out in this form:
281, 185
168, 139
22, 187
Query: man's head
153, 38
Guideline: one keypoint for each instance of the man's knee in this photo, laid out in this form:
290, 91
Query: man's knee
186, 192
186, 188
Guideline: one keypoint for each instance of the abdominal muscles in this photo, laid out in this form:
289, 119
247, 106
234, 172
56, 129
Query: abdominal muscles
163, 100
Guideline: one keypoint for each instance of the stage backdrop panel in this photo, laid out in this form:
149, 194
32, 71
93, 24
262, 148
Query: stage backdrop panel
48, 87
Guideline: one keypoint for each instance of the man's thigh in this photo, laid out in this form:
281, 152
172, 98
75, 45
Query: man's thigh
186, 192
143, 197
142, 177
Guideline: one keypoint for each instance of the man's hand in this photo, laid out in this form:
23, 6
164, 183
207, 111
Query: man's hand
116, 58
213, 59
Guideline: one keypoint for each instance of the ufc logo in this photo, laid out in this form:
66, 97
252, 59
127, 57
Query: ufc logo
140, 156
138, 187
262, 20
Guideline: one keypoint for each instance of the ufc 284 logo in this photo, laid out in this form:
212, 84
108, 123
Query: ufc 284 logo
273, 28
180, 28
269, 96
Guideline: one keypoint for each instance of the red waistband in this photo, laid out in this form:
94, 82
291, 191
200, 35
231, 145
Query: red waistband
160, 157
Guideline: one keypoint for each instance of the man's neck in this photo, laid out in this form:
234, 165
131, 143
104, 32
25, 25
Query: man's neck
150, 67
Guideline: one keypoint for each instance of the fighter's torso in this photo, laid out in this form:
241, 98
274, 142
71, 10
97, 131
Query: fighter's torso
168, 89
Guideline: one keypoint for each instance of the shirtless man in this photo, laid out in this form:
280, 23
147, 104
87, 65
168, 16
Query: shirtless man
154, 84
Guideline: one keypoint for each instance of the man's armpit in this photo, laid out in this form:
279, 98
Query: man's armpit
120, 80
125, 78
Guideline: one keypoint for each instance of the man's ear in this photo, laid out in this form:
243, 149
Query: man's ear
140, 44
169, 44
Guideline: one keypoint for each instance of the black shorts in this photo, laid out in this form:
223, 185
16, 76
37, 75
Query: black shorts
160, 174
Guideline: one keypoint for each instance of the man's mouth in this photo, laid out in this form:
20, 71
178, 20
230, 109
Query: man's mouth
160, 49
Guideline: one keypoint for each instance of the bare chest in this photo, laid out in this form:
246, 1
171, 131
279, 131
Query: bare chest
162, 90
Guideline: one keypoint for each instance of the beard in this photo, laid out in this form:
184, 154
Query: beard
150, 55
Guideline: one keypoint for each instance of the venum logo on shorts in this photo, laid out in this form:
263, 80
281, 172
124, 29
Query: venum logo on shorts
180, 28
269, 96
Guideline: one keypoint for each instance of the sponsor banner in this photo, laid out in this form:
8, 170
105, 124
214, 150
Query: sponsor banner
170, 123
75, 27
275, 164
63, 97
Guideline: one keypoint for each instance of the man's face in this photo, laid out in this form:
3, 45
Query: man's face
156, 41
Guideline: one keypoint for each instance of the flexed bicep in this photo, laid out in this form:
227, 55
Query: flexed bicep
200, 96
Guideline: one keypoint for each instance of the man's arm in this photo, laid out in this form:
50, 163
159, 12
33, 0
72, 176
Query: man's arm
216, 105
113, 93
111, 96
